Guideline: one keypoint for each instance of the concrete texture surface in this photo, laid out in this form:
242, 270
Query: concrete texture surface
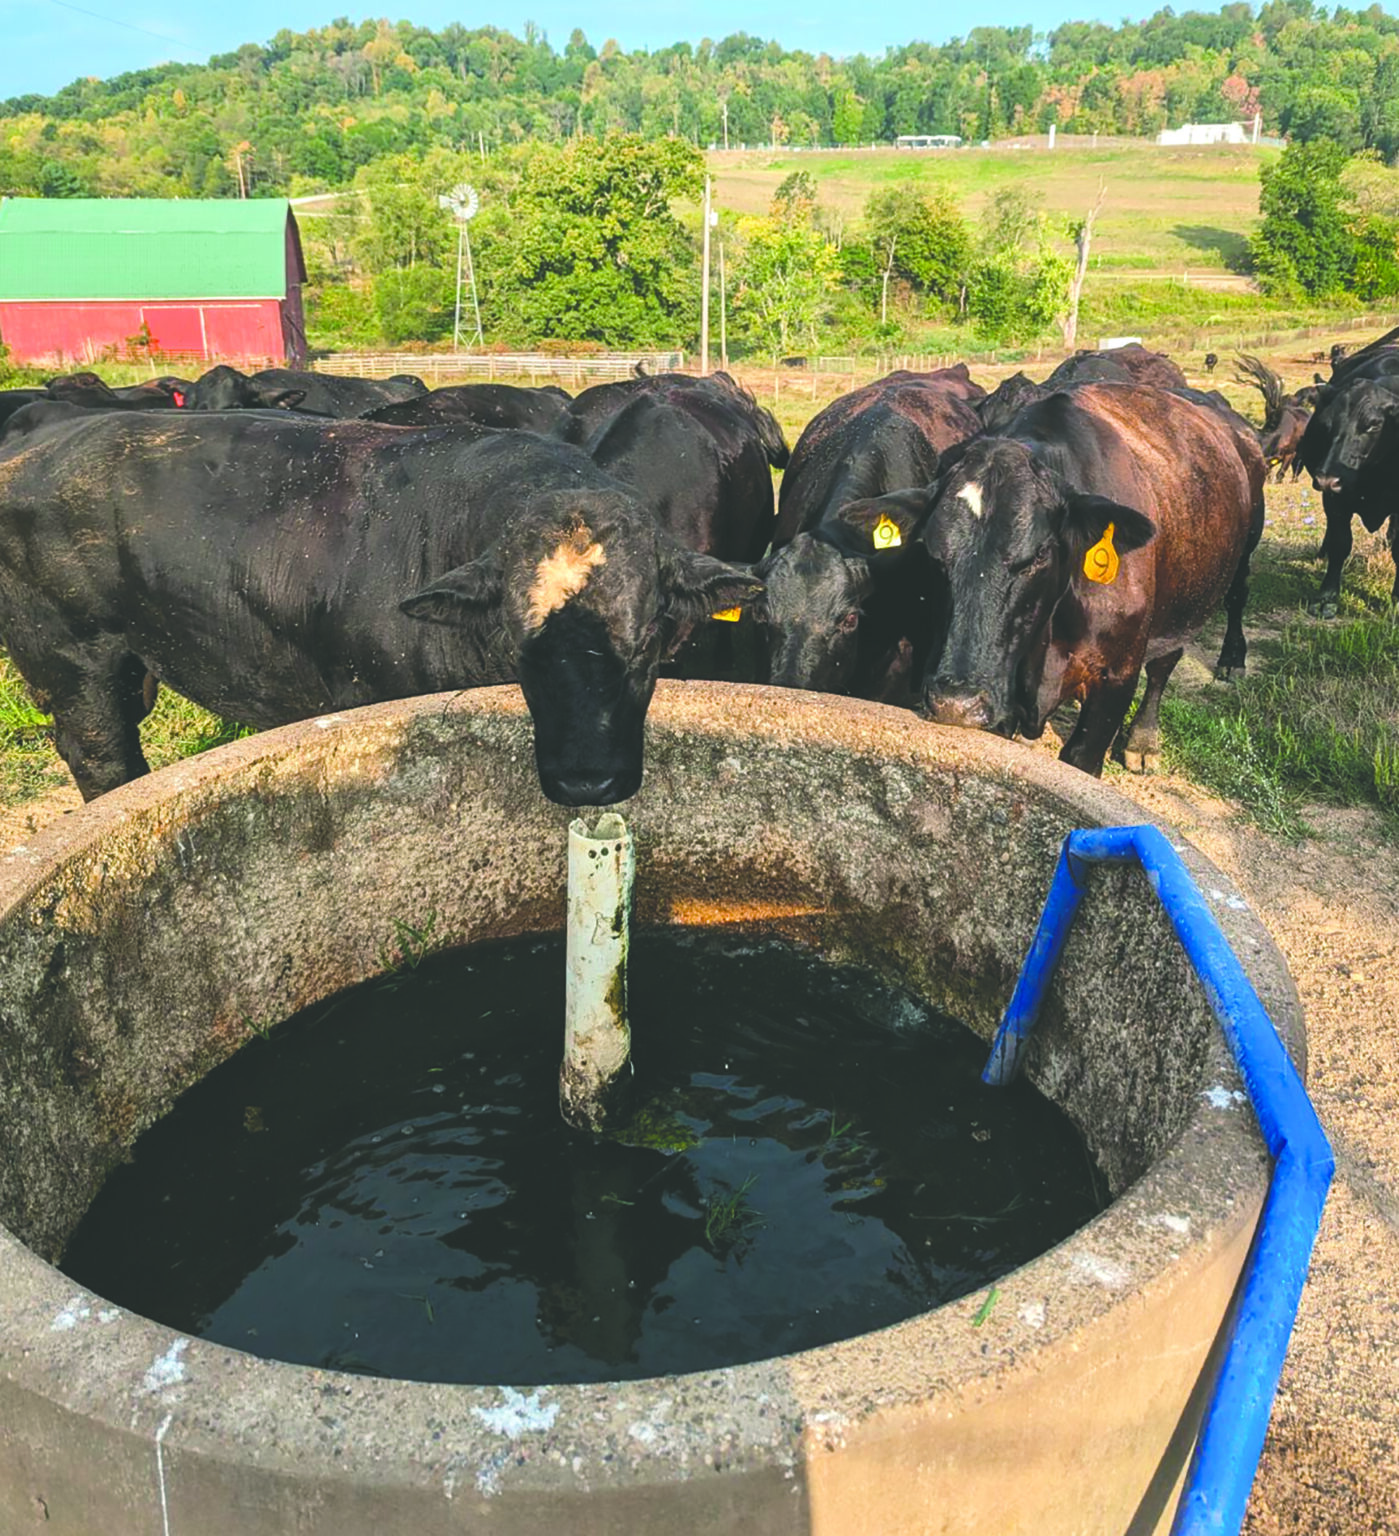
149, 937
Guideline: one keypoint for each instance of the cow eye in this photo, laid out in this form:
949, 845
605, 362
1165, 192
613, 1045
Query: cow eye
848, 621
1041, 557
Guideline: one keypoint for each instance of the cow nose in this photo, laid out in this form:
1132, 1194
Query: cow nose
591, 789
972, 711
1326, 483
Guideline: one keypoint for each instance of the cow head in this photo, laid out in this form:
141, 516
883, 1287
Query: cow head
1355, 433
1010, 538
814, 588
82, 389
227, 389
998, 409
590, 596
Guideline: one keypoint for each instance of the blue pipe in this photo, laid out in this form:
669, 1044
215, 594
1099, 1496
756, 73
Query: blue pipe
1231, 1437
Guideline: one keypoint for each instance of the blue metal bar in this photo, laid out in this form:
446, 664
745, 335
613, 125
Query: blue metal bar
1236, 1421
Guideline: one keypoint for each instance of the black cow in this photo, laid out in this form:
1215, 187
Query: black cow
87, 389
272, 568
701, 470
12, 400
594, 408
225, 388
167, 391
844, 609
1351, 449
1091, 539
314, 394
486, 405
329, 395
1010, 396
1089, 368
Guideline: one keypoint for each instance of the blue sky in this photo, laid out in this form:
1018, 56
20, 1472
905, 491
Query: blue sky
47, 43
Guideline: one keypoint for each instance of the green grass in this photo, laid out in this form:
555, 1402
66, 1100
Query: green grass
1164, 208
29, 766
729, 1216
1319, 721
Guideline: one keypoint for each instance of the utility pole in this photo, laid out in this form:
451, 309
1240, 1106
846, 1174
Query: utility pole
723, 315
704, 288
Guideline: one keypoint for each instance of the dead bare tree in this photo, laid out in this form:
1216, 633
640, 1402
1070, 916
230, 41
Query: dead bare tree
1083, 239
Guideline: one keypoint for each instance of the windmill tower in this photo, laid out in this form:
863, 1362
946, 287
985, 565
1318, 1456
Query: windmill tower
462, 203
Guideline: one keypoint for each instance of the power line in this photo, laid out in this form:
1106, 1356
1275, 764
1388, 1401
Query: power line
113, 21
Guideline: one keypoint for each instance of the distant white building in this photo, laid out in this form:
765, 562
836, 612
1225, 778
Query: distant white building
1203, 133
928, 141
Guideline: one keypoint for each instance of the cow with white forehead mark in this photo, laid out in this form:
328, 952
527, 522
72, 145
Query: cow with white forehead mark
272, 568
1089, 540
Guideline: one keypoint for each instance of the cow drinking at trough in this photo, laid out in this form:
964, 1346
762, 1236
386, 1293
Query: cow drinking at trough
843, 608
272, 568
1091, 540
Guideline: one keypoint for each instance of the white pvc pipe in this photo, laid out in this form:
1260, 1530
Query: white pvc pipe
597, 1066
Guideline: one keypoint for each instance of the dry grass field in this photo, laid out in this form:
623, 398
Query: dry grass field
1165, 210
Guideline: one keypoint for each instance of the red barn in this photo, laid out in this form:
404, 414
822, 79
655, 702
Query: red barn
197, 278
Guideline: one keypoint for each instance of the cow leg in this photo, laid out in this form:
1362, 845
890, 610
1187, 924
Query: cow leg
1234, 652
97, 716
1141, 752
1337, 544
1099, 721
1394, 556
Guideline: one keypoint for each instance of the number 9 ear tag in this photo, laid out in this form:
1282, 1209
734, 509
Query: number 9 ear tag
1101, 562
886, 534
729, 615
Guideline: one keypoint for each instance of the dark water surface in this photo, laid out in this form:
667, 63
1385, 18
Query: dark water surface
384, 1184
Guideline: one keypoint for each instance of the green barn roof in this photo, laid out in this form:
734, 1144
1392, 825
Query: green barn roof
142, 248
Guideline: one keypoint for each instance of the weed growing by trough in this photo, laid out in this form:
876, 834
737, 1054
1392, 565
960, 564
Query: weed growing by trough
1320, 719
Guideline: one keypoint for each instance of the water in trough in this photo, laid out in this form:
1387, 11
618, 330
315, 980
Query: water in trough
384, 1183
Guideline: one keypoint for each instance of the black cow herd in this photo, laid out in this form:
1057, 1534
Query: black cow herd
282, 545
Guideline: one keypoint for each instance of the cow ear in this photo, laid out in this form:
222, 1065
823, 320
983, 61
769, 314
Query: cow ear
284, 399
458, 597
1086, 520
699, 586
882, 527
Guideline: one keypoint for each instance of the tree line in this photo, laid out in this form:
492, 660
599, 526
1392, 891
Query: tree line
318, 106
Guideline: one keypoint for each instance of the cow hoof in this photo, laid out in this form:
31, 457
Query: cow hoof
1141, 762
1324, 607
1223, 674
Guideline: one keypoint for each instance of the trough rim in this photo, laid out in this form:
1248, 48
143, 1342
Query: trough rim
218, 1401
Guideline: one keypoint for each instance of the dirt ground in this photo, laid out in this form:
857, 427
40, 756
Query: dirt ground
1331, 1464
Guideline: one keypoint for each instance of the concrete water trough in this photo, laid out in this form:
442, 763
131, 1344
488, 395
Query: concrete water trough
145, 938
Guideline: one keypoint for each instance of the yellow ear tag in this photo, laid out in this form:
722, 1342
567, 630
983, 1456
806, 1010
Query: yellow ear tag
729, 615
1101, 562
886, 534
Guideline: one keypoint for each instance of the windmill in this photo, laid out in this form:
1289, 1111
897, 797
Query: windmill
462, 203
